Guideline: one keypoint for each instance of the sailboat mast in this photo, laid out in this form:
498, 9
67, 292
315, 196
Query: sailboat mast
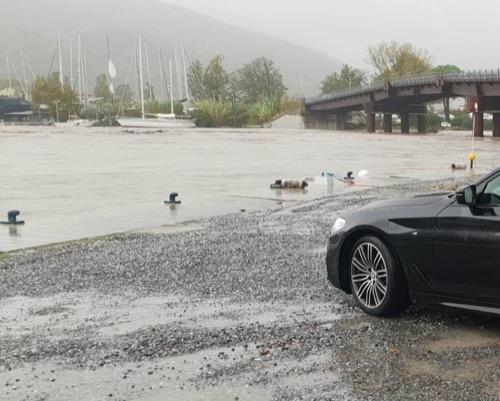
148, 70
19, 81
171, 88
79, 64
185, 77
26, 85
8, 68
162, 93
86, 77
141, 81
111, 71
178, 73
71, 63
61, 78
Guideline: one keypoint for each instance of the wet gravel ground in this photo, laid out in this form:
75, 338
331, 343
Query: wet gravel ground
239, 308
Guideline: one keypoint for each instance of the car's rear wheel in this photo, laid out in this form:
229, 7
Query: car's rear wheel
377, 281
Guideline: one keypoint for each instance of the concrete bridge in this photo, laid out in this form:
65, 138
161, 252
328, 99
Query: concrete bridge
408, 96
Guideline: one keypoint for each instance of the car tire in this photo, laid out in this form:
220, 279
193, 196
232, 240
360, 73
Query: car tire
377, 281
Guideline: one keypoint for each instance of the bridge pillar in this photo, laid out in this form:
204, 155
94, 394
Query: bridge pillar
496, 124
341, 119
478, 124
421, 123
405, 122
370, 122
387, 123
370, 116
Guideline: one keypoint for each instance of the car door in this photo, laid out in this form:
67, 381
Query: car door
467, 246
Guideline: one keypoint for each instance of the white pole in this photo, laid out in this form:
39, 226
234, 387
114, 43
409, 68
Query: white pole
171, 89
25, 90
141, 82
476, 109
71, 63
148, 70
178, 74
162, 93
86, 82
8, 69
186, 77
61, 78
110, 63
24, 75
79, 64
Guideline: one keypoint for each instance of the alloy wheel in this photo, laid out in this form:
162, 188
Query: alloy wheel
369, 275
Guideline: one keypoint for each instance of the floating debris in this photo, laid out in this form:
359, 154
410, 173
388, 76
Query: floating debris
458, 166
289, 184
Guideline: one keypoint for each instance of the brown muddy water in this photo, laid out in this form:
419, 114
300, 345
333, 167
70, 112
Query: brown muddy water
72, 182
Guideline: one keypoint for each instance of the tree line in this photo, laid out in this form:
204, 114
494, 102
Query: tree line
389, 61
254, 94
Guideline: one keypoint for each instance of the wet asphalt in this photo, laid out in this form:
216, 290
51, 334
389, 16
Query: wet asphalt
236, 308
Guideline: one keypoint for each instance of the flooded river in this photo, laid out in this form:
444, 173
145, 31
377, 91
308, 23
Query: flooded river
71, 183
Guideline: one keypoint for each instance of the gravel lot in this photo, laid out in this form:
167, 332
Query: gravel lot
234, 308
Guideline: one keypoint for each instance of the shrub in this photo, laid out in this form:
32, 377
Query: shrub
211, 114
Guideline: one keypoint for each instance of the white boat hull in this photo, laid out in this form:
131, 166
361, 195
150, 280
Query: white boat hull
154, 123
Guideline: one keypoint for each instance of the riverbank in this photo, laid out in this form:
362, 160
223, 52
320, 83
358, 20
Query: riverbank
237, 308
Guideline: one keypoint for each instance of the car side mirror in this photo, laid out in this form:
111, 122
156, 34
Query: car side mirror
467, 196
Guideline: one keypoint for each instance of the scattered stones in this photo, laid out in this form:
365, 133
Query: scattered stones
273, 258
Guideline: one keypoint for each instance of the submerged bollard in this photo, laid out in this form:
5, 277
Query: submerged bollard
278, 184
349, 178
12, 218
172, 200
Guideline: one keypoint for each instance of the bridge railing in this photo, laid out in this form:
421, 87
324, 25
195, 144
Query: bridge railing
422, 79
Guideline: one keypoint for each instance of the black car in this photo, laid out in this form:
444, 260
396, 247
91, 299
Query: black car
440, 248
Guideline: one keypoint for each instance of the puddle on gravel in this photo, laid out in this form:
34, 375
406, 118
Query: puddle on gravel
62, 314
464, 338
166, 379
181, 378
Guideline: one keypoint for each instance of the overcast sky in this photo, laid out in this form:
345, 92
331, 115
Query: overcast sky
466, 33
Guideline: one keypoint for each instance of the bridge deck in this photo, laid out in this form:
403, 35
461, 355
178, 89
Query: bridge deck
409, 95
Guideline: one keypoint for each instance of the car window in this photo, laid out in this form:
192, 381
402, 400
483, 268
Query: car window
491, 193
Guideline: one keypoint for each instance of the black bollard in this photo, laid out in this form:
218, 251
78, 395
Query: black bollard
172, 200
349, 178
278, 184
12, 218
